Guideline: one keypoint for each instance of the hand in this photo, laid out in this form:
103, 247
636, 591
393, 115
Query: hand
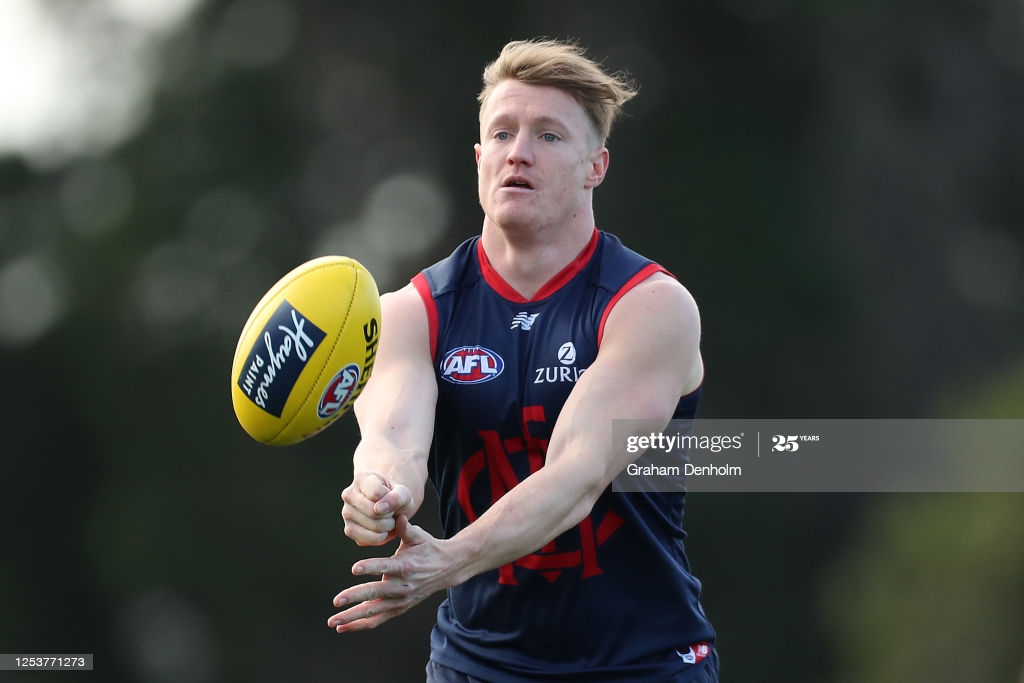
417, 569
371, 503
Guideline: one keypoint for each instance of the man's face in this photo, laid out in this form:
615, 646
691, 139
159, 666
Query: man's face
538, 157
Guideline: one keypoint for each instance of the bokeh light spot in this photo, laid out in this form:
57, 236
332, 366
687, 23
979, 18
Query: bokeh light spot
32, 299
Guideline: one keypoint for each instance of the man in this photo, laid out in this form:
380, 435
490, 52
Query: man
499, 373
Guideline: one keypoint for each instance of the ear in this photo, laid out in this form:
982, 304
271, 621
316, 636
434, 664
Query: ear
598, 167
476, 155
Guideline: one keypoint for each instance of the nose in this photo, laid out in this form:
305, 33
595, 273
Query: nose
520, 151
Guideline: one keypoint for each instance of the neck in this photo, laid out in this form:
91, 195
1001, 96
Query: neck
527, 259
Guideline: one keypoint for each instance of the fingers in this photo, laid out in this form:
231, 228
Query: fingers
372, 485
407, 577
368, 592
370, 502
366, 530
365, 616
376, 497
370, 605
409, 532
397, 500
364, 491
379, 566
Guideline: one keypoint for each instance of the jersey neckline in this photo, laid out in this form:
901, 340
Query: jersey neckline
505, 290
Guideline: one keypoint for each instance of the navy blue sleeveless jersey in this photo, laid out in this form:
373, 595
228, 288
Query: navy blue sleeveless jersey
609, 600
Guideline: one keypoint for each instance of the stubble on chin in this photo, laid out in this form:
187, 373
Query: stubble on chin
510, 215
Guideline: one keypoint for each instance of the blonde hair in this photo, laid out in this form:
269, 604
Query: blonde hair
565, 66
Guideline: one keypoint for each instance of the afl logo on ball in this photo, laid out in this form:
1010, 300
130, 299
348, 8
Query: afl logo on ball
338, 393
471, 365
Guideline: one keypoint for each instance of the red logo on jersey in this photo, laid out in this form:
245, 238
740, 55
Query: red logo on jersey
471, 365
695, 653
495, 462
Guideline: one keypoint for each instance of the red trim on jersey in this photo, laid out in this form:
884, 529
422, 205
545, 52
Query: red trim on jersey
423, 287
700, 384
506, 290
644, 273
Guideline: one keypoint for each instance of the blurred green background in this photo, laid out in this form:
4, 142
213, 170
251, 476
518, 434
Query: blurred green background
838, 183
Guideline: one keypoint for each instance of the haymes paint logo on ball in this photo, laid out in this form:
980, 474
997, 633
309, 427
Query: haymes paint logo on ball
278, 357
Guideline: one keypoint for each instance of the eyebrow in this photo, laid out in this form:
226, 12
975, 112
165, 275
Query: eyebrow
540, 121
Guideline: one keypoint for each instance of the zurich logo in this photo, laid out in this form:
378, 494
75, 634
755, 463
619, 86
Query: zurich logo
471, 365
567, 353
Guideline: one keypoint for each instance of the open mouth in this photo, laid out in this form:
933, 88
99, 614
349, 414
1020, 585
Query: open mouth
517, 181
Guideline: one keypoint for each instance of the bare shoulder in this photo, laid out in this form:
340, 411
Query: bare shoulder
656, 320
660, 301
405, 301
404, 335
403, 376
404, 318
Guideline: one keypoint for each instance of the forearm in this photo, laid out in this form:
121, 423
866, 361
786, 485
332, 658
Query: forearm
536, 511
395, 412
396, 421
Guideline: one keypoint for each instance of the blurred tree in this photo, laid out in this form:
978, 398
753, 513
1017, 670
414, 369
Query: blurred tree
931, 586
931, 590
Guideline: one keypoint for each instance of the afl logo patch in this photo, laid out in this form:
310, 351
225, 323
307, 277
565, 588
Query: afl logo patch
471, 365
339, 392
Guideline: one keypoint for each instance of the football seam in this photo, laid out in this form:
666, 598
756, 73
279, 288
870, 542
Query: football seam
337, 339
282, 284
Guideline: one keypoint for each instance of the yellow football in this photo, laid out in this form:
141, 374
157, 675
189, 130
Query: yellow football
306, 351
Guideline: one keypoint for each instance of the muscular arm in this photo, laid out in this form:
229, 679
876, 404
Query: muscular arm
396, 419
648, 358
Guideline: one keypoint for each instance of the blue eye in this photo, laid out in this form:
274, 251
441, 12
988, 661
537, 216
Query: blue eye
549, 137
502, 135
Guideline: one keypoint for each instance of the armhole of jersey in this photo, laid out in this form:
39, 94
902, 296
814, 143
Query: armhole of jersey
632, 282
423, 287
700, 384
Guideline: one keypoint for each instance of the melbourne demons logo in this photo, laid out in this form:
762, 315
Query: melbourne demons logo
491, 472
337, 394
471, 365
